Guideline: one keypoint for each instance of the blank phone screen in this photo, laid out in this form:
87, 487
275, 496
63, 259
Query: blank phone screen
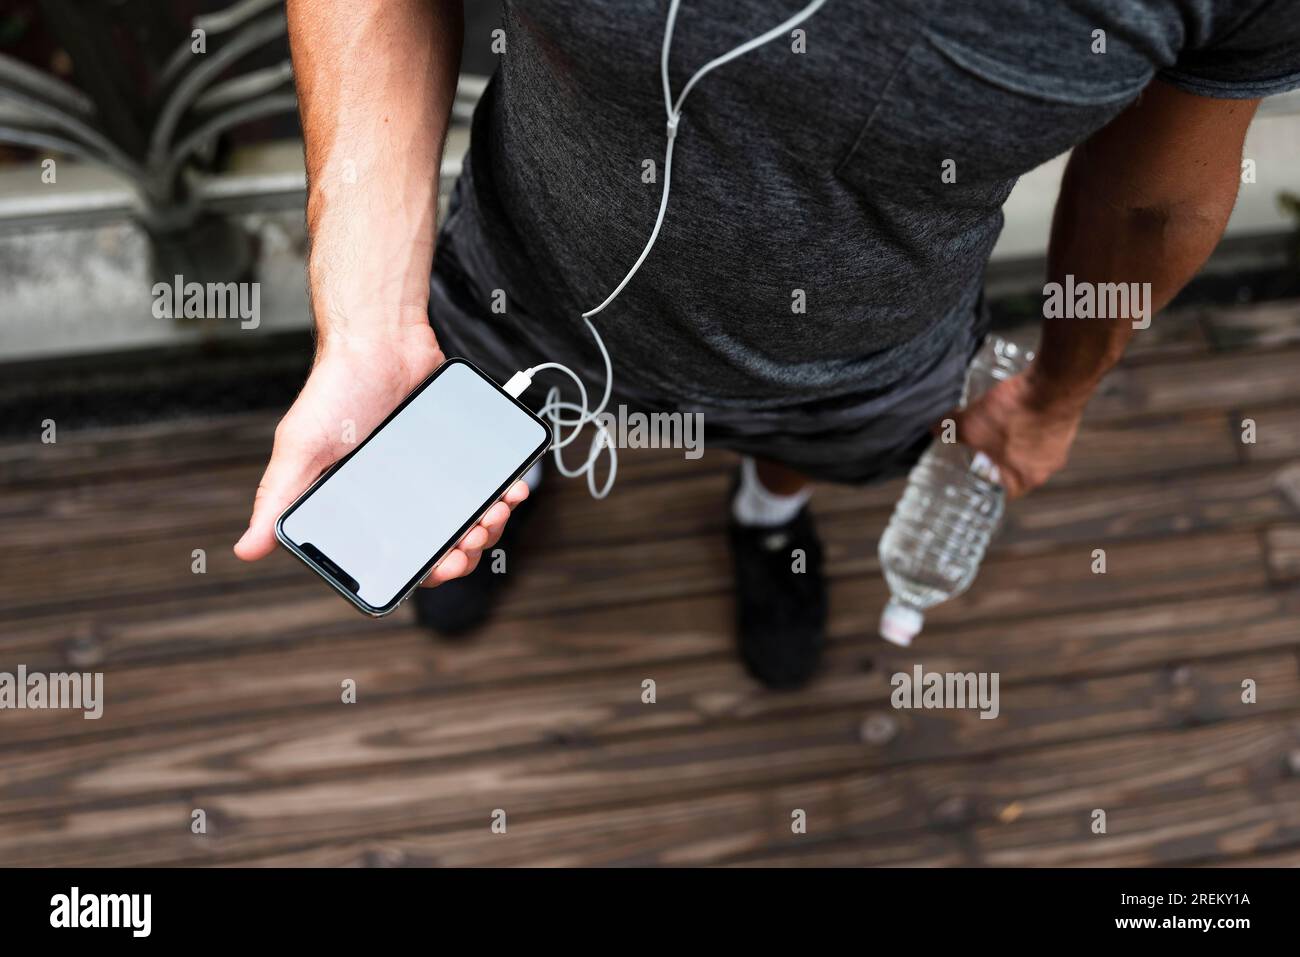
408, 492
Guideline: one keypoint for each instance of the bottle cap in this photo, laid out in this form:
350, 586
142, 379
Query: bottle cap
900, 623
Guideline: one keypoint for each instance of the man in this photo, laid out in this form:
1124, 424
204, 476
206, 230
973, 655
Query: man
815, 290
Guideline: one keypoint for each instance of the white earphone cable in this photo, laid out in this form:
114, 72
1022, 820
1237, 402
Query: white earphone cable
554, 407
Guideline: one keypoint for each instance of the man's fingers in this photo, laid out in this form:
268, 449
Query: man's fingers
287, 474
454, 564
464, 558
1011, 482
972, 428
494, 519
474, 539
494, 522
974, 432
516, 494
473, 562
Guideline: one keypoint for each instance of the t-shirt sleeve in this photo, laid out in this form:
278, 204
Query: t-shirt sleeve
1256, 55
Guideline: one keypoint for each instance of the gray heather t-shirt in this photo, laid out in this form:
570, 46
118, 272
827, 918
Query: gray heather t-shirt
818, 171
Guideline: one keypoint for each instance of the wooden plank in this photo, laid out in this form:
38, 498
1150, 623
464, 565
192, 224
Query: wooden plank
685, 835
616, 650
1174, 833
678, 620
139, 533
35, 579
1238, 380
1282, 544
1174, 445
1173, 334
846, 817
1137, 572
1288, 857
215, 622
1021, 784
687, 832
1106, 639
1277, 433
1238, 498
316, 778
138, 451
1194, 828
1256, 325
211, 504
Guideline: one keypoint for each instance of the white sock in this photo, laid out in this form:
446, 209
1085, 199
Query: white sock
755, 505
533, 477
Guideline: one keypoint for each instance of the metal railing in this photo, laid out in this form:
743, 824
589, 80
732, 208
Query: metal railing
152, 142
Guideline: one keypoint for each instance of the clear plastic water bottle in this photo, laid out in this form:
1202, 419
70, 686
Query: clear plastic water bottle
941, 527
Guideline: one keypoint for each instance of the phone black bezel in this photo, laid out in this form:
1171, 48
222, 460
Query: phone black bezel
379, 611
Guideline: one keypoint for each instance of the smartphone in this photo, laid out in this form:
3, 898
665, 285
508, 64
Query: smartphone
384, 515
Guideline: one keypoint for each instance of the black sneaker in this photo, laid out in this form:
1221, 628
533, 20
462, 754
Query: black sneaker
780, 612
460, 606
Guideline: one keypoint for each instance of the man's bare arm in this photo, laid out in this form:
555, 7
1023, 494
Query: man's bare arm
1144, 200
375, 86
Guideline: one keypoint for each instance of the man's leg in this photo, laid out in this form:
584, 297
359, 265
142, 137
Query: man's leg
780, 479
780, 591
768, 493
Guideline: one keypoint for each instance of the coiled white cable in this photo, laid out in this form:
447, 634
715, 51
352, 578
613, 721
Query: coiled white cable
554, 407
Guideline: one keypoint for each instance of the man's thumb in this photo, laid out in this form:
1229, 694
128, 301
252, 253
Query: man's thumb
287, 474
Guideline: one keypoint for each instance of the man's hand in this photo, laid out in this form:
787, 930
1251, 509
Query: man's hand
1144, 200
352, 388
375, 85
1025, 432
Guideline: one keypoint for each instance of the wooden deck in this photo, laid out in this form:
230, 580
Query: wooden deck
1119, 691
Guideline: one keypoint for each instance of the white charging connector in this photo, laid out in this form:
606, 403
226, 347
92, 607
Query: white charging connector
554, 408
518, 383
